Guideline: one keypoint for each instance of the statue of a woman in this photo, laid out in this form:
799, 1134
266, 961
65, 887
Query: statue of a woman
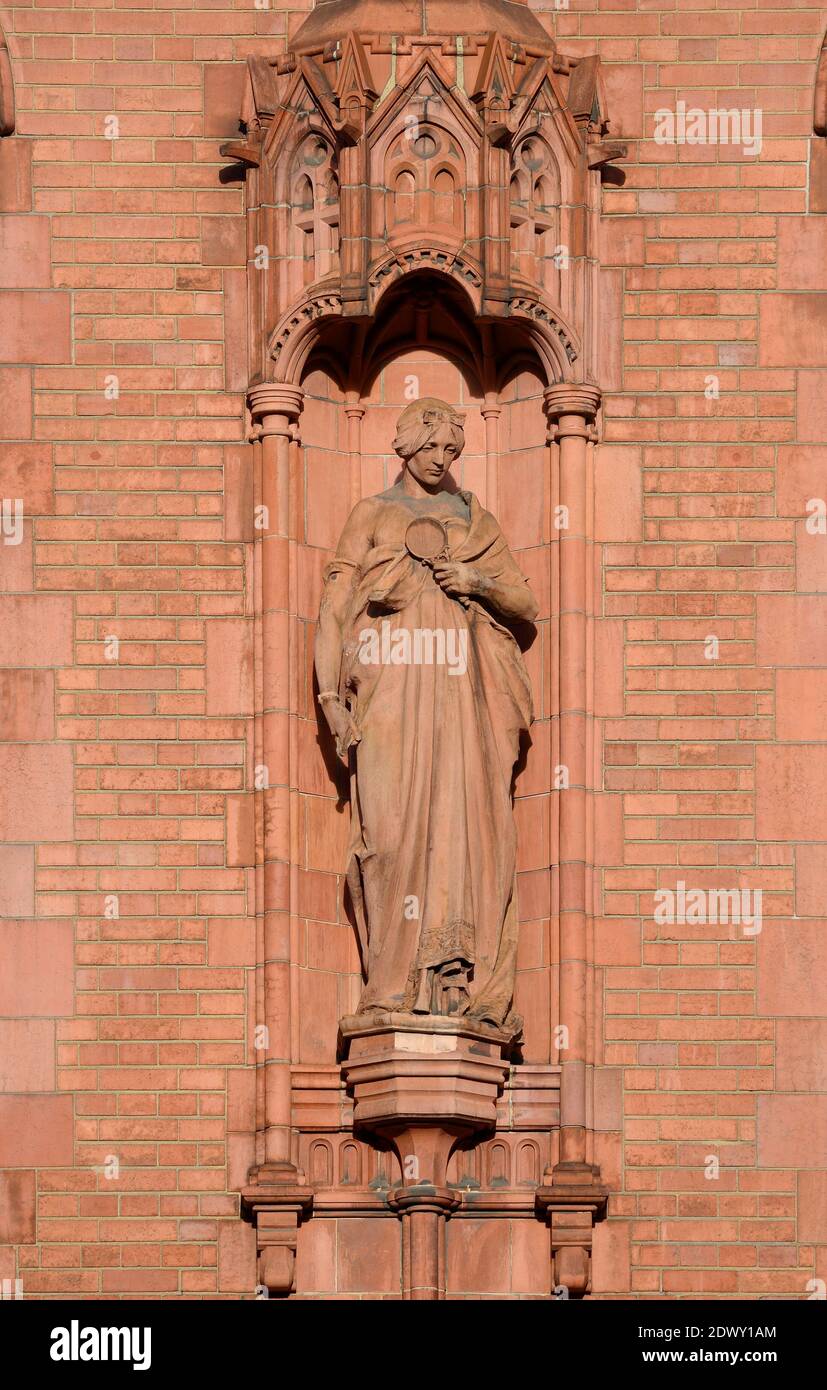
424, 687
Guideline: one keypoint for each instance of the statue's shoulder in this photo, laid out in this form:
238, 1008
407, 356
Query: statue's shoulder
475, 508
364, 510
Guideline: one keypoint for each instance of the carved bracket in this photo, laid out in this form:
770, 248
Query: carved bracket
275, 1202
572, 1204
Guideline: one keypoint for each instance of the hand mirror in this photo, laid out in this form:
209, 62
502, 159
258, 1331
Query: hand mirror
426, 539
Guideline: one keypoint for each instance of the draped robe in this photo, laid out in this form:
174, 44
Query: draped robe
432, 854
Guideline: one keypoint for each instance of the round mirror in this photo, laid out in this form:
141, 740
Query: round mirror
426, 538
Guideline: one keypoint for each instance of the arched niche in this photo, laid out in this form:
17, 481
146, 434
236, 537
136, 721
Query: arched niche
424, 341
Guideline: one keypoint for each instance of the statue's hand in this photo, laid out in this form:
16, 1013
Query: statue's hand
456, 578
343, 727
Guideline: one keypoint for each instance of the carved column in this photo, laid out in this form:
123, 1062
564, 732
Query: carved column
276, 1196
571, 1195
492, 414
355, 412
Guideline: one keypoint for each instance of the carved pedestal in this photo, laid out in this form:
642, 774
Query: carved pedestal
423, 1085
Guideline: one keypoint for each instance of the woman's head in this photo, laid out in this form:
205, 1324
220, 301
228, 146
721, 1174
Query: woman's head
429, 436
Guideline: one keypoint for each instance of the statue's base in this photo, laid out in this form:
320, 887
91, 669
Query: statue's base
424, 1084
415, 1072
376, 1021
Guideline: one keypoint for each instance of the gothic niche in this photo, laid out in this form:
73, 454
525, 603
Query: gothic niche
430, 199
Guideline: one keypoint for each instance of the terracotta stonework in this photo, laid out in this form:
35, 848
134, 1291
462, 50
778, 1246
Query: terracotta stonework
331, 978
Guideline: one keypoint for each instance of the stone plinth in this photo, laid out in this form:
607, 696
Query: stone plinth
424, 1084
409, 1070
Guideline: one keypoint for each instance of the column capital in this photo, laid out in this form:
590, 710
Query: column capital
273, 399
571, 398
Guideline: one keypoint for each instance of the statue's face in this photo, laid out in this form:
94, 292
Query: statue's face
430, 464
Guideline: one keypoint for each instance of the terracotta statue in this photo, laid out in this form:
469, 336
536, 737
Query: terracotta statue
424, 687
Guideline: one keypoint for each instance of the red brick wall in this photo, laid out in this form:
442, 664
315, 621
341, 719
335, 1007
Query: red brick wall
131, 1035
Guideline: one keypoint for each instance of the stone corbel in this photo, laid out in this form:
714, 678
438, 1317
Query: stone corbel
572, 1204
275, 1201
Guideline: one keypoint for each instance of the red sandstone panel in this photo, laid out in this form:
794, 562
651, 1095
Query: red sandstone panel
229, 667
368, 1255
36, 968
611, 1257
18, 1206
802, 253
237, 1258
801, 705
38, 799
26, 706
36, 1131
223, 87
800, 474
35, 631
618, 494
16, 395
478, 1256
239, 504
811, 405
812, 1207
791, 781
801, 1054
17, 564
792, 969
792, 1132
316, 1265
26, 472
27, 1054
15, 175
810, 880
16, 880
781, 348
34, 326
530, 1264
811, 560
25, 261
792, 630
